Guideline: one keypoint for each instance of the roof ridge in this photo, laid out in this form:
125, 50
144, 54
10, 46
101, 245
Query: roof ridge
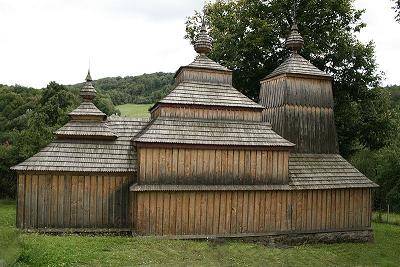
188, 119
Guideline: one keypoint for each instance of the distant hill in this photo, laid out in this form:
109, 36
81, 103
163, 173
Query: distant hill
142, 89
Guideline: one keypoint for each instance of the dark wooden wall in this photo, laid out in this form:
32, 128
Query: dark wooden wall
204, 76
312, 129
68, 200
223, 213
301, 111
212, 166
218, 113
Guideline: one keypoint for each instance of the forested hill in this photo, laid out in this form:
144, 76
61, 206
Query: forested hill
142, 89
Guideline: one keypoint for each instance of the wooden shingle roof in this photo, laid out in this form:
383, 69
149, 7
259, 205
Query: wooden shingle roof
169, 130
208, 94
296, 64
87, 109
307, 172
202, 61
90, 155
86, 129
318, 171
206, 82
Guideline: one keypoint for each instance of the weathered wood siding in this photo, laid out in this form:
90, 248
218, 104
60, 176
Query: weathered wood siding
301, 111
312, 129
222, 213
210, 113
296, 91
204, 76
67, 200
212, 166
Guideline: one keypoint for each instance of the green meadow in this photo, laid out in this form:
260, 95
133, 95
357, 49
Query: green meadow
22, 249
135, 110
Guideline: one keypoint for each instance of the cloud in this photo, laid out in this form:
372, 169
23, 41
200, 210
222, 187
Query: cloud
45, 40
153, 9
384, 31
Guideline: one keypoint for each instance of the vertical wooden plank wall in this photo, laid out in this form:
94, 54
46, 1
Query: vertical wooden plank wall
312, 129
301, 111
63, 200
204, 76
212, 166
224, 213
210, 113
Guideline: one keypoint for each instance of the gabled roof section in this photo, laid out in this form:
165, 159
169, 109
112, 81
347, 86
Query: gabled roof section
208, 94
90, 155
296, 64
190, 131
323, 171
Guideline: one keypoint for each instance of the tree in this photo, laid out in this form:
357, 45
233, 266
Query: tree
397, 9
249, 38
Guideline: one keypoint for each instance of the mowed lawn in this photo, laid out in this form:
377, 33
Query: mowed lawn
135, 110
17, 248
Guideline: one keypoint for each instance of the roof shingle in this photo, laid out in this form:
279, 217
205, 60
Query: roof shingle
318, 171
87, 108
86, 129
194, 93
210, 132
82, 155
296, 64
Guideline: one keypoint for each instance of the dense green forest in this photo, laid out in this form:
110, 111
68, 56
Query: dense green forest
383, 165
142, 89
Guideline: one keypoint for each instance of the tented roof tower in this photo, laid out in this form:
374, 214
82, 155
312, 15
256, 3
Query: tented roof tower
87, 121
205, 83
299, 101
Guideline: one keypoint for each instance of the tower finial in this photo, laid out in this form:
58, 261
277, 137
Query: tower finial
88, 77
88, 93
203, 43
294, 41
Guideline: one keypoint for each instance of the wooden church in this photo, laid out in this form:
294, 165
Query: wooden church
210, 162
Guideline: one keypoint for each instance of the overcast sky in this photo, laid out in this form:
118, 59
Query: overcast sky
46, 40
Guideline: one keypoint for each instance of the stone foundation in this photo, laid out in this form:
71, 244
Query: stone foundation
293, 239
288, 238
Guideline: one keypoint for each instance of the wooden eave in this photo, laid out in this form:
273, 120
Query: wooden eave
202, 69
296, 75
197, 106
208, 146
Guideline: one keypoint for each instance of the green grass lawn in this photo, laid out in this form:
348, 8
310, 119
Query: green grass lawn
135, 110
392, 218
18, 248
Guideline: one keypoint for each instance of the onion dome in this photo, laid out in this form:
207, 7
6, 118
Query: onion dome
87, 110
88, 93
294, 41
295, 63
87, 121
203, 43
